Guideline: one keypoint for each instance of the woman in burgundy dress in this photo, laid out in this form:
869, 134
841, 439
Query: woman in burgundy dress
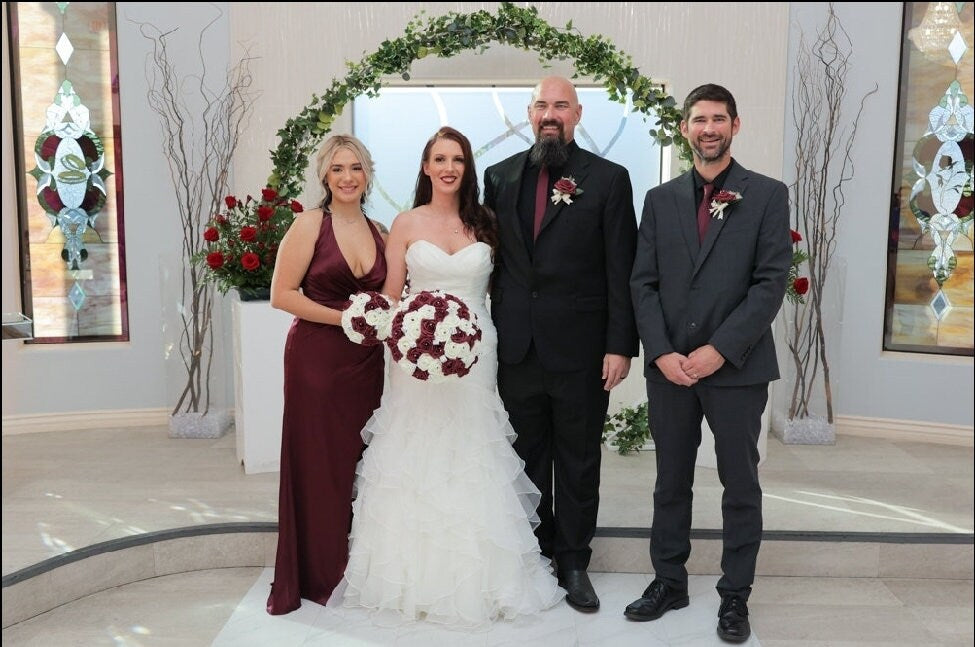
331, 385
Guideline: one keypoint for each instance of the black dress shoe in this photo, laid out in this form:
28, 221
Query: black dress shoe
578, 590
733, 624
659, 598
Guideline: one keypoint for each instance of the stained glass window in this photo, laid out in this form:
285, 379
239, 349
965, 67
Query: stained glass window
930, 286
66, 123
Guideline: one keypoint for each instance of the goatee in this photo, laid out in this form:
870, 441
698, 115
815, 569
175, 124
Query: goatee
549, 151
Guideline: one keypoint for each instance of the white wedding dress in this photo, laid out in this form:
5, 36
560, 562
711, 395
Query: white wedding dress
442, 523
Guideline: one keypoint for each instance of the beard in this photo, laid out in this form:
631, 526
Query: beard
550, 151
723, 146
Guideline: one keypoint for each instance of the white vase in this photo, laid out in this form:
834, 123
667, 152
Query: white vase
260, 332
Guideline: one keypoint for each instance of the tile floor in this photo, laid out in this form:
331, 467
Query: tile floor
63, 490
225, 608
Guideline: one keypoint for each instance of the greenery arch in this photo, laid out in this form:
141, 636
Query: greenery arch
449, 34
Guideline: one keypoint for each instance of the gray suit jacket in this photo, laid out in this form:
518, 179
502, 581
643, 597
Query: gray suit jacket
724, 291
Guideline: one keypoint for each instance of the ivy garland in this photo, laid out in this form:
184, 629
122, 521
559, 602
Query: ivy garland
449, 34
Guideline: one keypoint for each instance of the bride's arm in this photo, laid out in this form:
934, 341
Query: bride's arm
396, 258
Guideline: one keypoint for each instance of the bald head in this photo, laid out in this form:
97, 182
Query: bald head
554, 110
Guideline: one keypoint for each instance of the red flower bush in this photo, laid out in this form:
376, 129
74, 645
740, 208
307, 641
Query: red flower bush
242, 241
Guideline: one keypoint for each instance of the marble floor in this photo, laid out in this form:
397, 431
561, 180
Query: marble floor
65, 490
225, 608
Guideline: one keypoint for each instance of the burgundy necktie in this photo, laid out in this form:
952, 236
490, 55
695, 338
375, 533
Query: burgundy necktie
704, 212
541, 199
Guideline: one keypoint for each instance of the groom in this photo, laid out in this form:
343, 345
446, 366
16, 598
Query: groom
712, 260
561, 304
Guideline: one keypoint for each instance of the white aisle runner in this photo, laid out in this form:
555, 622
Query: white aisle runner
314, 625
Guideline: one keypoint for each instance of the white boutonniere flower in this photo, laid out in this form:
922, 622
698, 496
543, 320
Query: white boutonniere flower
721, 201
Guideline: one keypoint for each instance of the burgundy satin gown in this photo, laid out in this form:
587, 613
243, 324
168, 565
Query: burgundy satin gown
331, 387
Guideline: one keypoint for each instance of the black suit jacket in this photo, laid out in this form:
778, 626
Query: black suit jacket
724, 291
569, 292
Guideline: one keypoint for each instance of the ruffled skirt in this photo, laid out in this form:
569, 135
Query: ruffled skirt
442, 522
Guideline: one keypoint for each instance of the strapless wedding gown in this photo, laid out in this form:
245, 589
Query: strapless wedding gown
442, 524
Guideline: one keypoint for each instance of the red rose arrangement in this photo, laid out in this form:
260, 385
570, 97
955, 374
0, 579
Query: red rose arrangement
797, 286
242, 241
367, 317
434, 336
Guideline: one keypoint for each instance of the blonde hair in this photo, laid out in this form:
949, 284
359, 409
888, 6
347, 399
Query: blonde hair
327, 152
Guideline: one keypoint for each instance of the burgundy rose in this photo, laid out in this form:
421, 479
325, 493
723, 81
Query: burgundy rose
250, 261
359, 325
231, 201
296, 206
211, 235
248, 233
726, 196
394, 351
420, 375
436, 351
215, 260
413, 355
425, 344
801, 285
796, 236
264, 212
221, 220
268, 194
565, 185
428, 326
440, 304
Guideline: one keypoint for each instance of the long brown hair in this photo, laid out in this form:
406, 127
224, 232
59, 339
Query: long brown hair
476, 218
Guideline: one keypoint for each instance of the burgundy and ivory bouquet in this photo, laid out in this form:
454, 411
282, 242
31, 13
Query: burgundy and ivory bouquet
367, 317
434, 336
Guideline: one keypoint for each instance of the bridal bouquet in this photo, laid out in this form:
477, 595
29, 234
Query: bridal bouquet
434, 336
367, 317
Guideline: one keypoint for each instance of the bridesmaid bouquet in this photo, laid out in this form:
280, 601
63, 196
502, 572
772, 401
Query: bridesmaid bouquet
434, 336
367, 317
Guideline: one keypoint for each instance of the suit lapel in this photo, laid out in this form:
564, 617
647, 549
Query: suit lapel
508, 202
577, 168
737, 180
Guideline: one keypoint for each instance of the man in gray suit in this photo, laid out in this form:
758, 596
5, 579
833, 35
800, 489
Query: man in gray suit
713, 255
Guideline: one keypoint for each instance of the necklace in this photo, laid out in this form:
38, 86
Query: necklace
347, 221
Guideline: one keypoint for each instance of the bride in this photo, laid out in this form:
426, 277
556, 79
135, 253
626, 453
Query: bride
442, 525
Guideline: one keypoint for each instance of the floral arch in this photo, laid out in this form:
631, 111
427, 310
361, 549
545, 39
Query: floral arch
450, 34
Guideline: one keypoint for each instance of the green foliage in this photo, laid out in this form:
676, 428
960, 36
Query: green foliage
446, 35
628, 429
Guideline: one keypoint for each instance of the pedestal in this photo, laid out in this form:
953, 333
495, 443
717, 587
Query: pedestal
260, 332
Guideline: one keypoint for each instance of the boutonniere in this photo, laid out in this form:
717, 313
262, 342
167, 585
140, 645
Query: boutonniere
721, 200
565, 189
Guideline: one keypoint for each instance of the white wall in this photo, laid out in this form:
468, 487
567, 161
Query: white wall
867, 381
300, 49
